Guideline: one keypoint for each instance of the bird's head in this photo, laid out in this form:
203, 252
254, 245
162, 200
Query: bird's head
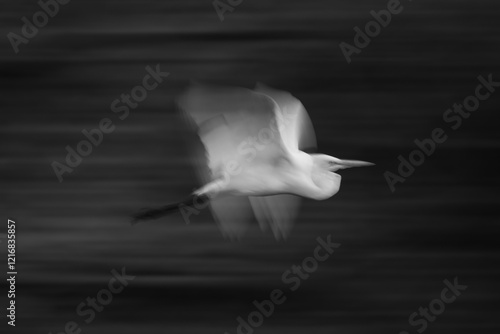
324, 174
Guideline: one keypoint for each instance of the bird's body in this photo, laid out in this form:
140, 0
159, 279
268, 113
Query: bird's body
254, 159
266, 160
294, 173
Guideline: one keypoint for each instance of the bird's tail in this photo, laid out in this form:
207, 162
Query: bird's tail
155, 213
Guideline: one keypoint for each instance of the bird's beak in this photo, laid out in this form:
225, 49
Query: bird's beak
343, 164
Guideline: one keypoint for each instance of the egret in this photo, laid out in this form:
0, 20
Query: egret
254, 162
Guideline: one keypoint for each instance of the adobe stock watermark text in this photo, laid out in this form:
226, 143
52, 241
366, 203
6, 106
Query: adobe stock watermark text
104, 297
223, 6
30, 29
293, 278
121, 107
11, 271
436, 307
372, 29
454, 118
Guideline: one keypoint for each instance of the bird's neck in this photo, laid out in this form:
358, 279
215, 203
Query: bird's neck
313, 181
326, 184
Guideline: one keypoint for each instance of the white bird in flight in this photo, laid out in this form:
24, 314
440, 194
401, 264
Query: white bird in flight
254, 163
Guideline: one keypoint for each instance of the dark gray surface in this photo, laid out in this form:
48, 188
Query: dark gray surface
396, 248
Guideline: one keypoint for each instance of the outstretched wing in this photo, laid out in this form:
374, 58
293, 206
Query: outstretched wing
295, 125
276, 212
234, 124
279, 211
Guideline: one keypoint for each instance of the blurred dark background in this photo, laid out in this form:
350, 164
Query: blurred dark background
397, 248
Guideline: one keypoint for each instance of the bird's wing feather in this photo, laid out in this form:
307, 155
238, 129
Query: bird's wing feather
233, 124
279, 211
233, 215
296, 127
276, 212
236, 124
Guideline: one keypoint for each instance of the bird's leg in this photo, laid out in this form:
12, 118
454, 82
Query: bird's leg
212, 189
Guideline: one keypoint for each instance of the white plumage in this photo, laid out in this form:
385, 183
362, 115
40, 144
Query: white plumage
254, 161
